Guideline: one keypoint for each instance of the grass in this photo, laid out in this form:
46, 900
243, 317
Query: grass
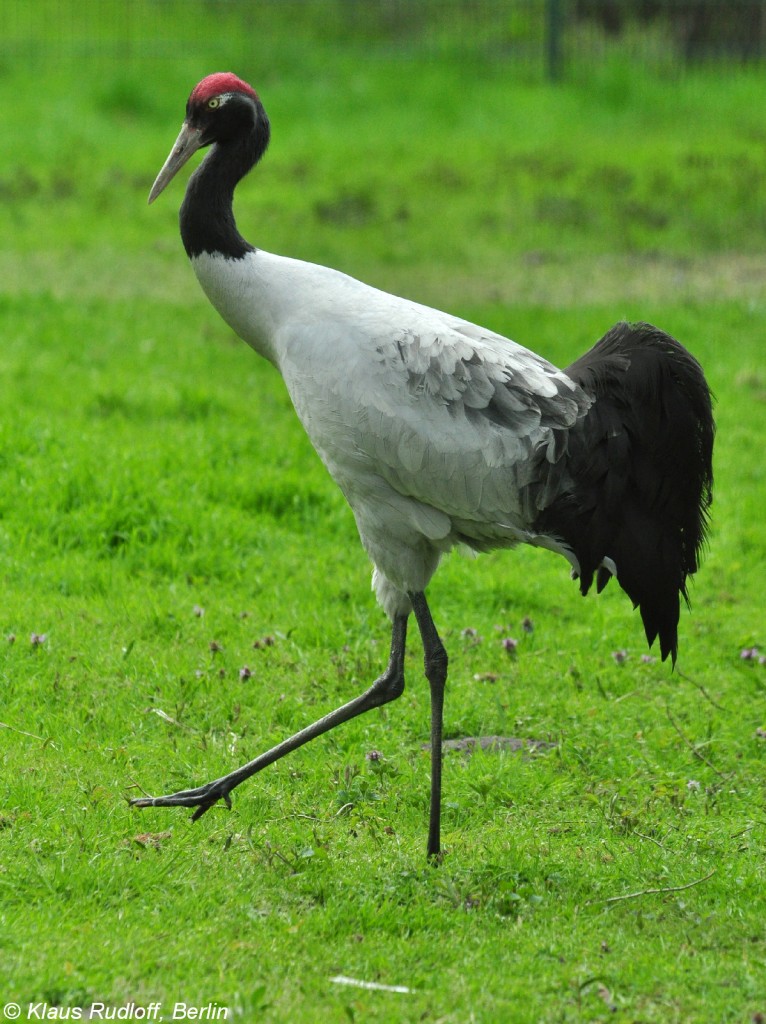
164, 525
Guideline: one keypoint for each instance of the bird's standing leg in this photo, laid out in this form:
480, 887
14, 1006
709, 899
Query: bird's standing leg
386, 688
436, 674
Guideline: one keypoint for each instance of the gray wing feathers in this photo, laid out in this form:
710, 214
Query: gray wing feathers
447, 417
461, 415
512, 386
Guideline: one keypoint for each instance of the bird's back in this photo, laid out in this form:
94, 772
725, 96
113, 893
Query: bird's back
426, 422
400, 399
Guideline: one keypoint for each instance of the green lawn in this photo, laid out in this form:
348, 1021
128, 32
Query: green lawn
182, 584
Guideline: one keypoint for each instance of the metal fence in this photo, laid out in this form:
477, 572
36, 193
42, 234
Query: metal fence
545, 37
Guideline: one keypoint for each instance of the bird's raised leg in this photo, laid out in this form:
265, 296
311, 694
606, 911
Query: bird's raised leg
436, 674
386, 688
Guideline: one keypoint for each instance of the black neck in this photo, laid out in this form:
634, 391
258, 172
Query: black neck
206, 217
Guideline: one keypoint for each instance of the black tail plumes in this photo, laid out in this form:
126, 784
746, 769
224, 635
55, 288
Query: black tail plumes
640, 473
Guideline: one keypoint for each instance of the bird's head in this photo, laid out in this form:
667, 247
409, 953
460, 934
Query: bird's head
220, 109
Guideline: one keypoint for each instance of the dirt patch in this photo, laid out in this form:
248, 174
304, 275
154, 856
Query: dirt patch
468, 744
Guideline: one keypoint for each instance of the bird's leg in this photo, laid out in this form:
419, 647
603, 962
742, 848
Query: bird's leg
386, 688
436, 674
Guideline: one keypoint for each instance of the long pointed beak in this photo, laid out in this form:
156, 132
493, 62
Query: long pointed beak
188, 142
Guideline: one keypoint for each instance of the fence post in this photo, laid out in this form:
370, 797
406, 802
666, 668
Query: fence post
554, 30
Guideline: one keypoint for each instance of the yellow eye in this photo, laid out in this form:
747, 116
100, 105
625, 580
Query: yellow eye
213, 103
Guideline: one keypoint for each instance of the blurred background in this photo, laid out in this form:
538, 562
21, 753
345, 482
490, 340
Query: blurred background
623, 135
542, 37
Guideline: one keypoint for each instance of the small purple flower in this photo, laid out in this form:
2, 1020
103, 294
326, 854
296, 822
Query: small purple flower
245, 673
693, 785
648, 659
749, 654
198, 610
620, 656
373, 755
527, 625
265, 641
215, 647
38, 639
509, 644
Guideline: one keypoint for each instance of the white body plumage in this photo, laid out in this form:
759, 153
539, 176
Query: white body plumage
426, 422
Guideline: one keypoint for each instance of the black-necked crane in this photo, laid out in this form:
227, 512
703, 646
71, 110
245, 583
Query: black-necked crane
440, 432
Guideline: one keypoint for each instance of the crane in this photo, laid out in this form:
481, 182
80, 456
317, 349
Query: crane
440, 432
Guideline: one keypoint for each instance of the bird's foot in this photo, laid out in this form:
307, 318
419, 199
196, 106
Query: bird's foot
203, 798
